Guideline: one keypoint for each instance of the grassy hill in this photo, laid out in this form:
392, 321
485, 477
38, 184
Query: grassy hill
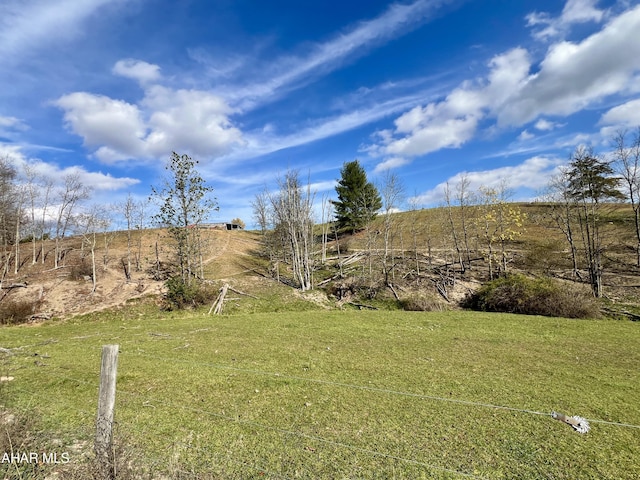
420, 240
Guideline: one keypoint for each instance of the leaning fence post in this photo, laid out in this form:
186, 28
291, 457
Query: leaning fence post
106, 401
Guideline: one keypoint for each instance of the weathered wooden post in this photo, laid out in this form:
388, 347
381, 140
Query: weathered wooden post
106, 403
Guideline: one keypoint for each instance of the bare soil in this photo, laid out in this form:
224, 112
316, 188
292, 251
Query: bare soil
67, 290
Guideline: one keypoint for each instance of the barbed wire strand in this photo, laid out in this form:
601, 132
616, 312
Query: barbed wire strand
283, 431
370, 389
312, 437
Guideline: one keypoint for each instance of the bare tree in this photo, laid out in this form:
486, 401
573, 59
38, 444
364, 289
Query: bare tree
46, 190
90, 224
108, 236
292, 207
72, 193
260, 205
20, 193
8, 213
562, 214
452, 225
465, 199
326, 208
392, 193
133, 212
33, 193
140, 217
415, 228
627, 163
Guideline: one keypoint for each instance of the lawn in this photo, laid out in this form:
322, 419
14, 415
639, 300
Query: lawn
339, 394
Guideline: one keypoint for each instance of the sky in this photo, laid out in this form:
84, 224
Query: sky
428, 90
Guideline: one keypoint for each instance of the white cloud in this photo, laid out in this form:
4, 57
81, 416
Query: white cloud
115, 126
575, 11
95, 181
12, 123
525, 135
138, 70
571, 77
389, 163
191, 121
534, 173
454, 120
576, 75
324, 186
627, 114
9, 126
545, 125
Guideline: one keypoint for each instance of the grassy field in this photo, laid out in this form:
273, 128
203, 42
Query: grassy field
338, 394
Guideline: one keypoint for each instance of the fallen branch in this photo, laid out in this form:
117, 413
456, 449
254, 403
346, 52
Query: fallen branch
395, 294
611, 311
242, 293
14, 285
337, 275
351, 259
217, 306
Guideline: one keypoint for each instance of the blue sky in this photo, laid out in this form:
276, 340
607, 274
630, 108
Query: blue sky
426, 89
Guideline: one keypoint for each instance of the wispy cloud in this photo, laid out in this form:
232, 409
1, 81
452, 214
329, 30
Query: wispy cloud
268, 141
575, 11
96, 181
138, 70
286, 73
27, 25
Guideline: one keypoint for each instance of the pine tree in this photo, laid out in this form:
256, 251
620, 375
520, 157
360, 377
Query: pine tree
590, 184
358, 200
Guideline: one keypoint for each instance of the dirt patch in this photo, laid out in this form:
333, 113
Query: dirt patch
62, 292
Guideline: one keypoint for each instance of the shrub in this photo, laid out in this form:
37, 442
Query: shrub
181, 295
534, 296
16, 311
80, 271
421, 303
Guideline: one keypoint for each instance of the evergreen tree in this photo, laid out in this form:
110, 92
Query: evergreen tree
358, 200
590, 184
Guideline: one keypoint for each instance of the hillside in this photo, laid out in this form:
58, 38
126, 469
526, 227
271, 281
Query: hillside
67, 290
420, 248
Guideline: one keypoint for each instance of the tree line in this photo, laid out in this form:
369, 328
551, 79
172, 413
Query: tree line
476, 227
36, 212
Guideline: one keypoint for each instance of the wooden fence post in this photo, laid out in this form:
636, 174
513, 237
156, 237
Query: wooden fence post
106, 402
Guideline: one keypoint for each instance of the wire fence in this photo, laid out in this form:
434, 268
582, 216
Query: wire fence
149, 400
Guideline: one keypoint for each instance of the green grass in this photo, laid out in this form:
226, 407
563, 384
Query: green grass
330, 394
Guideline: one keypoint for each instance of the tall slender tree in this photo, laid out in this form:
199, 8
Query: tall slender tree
627, 161
292, 208
68, 198
185, 202
591, 183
